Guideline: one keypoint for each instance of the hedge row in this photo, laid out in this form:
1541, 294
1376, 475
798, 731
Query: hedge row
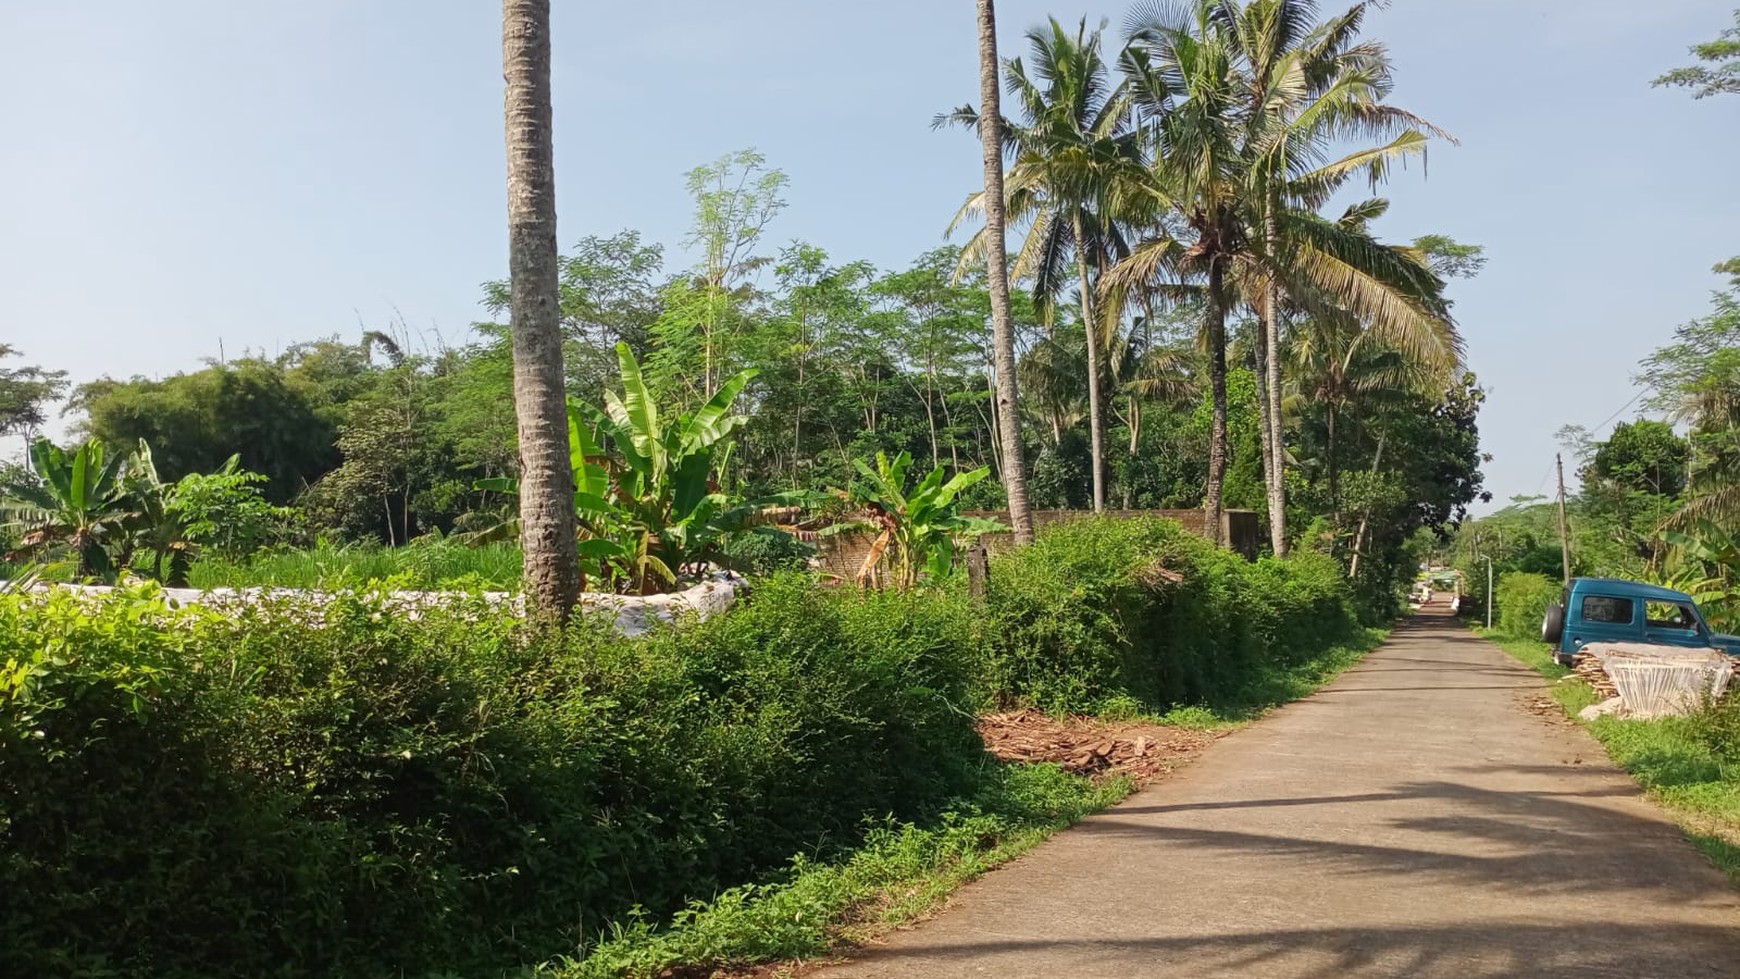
322, 791
1105, 612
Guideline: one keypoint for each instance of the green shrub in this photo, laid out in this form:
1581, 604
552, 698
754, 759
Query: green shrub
313, 791
1522, 601
1100, 611
765, 552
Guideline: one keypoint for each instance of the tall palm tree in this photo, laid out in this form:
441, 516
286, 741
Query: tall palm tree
1311, 86
1073, 142
997, 269
547, 520
1222, 223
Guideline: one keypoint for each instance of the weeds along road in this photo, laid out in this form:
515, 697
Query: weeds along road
1413, 819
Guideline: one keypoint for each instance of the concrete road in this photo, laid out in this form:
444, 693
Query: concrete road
1413, 819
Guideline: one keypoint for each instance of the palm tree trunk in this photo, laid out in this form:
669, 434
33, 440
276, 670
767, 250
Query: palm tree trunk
547, 527
1135, 425
1097, 445
1334, 465
1365, 518
1265, 421
996, 423
1217, 447
997, 265
1275, 464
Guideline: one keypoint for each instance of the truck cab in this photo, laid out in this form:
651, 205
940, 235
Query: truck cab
1602, 610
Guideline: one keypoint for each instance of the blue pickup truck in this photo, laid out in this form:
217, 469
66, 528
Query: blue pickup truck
1614, 610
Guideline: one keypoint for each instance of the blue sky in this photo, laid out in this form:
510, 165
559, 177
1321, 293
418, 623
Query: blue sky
186, 173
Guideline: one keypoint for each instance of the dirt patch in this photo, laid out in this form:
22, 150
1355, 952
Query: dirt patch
1089, 746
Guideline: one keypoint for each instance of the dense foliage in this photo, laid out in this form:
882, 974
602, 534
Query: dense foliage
1098, 614
1521, 599
326, 790
307, 789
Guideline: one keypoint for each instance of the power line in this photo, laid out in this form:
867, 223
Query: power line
1634, 400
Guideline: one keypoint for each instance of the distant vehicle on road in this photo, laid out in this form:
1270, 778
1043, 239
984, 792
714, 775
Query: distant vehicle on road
1596, 610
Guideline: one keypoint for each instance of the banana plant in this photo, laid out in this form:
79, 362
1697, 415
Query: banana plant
916, 528
153, 523
661, 478
648, 505
76, 504
1704, 562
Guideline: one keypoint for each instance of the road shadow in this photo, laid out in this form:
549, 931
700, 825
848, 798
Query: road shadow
1573, 950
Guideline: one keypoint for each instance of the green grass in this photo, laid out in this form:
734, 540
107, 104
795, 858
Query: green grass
1671, 758
901, 873
422, 565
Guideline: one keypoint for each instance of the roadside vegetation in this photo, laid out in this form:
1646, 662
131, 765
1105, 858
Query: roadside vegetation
318, 787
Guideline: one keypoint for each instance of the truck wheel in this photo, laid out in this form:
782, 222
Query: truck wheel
1553, 625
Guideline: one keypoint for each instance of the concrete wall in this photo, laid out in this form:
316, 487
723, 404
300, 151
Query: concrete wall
843, 554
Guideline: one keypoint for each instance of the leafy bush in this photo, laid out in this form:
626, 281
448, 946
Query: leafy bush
227, 513
311, 791
1522, 601
1099, 611
765, 551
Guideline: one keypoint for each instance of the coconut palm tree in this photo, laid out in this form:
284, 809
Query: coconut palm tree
1314, 86
547, 522
997, 268
1072, 143
1224, 224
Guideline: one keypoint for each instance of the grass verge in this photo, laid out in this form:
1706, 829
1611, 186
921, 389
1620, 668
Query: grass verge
1671, 758
901, 873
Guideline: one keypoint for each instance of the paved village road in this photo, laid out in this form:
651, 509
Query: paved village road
1412, 819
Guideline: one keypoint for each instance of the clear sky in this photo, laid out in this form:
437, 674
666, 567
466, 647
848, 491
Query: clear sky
184, 173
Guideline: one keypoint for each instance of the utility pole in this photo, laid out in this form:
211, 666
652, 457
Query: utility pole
1564, 535
1489, 592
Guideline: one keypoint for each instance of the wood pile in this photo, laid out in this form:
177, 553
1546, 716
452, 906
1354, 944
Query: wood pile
1593, 673
1089, 746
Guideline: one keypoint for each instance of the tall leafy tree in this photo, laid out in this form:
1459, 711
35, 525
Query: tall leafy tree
281, 416
546, 494
736, 197
997, 277
1697, 380
1720, 73
25, 393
